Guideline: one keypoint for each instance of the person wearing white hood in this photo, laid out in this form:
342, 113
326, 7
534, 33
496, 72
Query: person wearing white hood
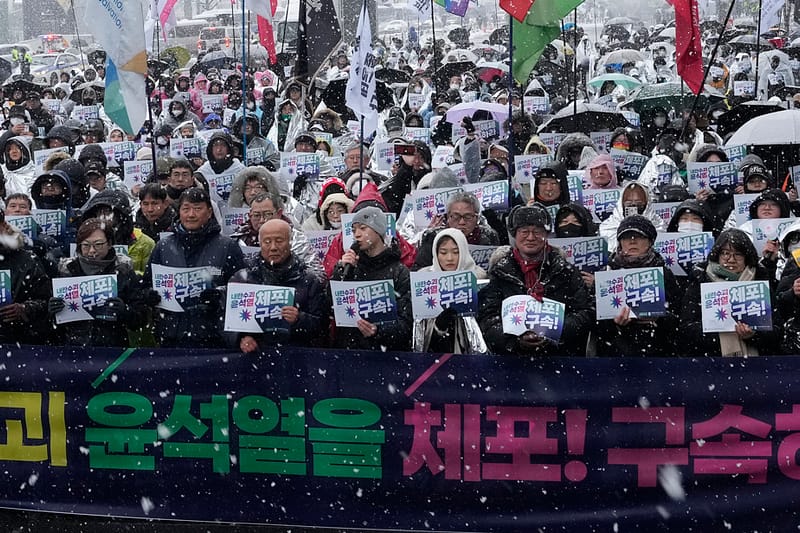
635, 199
18, 168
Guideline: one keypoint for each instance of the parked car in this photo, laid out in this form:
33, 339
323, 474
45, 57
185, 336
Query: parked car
47, 68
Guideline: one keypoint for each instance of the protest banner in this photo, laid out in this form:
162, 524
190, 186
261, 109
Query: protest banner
719, 177
639, 289
525, 313
373, 301
727, 302
434, 292
256, 308
683, 250
179, 288
588, 254
83, 295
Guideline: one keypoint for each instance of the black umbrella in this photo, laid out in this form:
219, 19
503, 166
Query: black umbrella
620, 21
589, 117
98, 86
459, 36
97, 58
157, 67
217, 59
499, 36
732, 120
747, 43
334, 96
392, 75
441, 79
15, 82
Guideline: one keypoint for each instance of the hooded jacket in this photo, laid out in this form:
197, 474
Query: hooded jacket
561, 281
463, 332
270, 157
18, 174
213, 169
140, 245
602, 160
287, 132
561, 173
573, 143
267, 178
608, 228
319, 222
581, 213
199, 326
695, 207
310, 297
369, 197
650, 173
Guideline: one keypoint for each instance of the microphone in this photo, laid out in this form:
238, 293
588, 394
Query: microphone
348, 268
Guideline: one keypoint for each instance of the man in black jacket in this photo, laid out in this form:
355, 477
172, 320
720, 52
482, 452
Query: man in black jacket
307, 319
535, 268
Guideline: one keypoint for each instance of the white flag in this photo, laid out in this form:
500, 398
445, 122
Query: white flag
770, 14
262, 8
423, 7
360, 93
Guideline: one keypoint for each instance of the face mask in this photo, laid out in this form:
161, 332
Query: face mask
689, 227
633, 210
569, 230
417, 90
176, 112
16, 121
455, 86
162, 141
285, 118
251, 106
335, 225
660, 121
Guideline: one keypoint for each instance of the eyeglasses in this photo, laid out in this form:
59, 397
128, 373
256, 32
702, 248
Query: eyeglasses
457, 217
96, 245
262, 215
726, 254
253, 188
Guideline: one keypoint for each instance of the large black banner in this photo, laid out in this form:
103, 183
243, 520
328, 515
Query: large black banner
402, 441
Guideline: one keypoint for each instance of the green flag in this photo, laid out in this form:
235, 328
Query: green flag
541, 27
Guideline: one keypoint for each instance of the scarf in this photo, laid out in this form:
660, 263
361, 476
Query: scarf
619, 261
93, 267
530, 272
730, 344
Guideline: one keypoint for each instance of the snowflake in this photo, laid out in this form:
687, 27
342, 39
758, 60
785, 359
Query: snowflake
527, 173
351, 312
516, 320
429, 214
616, 302
74, 307
167, 296
721, 313
430, 302
669, 261
701, 184
244, 316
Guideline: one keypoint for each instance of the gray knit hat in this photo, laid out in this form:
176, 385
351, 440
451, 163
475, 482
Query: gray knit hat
372, 217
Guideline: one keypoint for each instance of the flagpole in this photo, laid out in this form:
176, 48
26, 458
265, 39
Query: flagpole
75, 20
705, 74
575, 61
758, 47
361, 154
433, 50
233, 23
510, 106
245, 31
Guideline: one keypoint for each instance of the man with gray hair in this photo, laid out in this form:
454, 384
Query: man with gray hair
463, 214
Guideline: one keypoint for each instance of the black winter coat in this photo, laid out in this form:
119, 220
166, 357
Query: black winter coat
29, 286
201, 325
393, 336
644, 338
153, 229
310, 297
101, 332
698, 343
562, 282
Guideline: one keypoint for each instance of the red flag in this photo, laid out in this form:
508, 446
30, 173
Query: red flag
267, 38
517, 8
688, 46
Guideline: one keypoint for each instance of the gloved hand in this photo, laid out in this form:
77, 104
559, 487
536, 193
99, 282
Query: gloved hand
211, 299
55, 305
111, 311
152, 298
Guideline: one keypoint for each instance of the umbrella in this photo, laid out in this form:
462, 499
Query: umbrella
17, 83
667, 34
96, 85
391, 75
535, 88
487, 71
157, 67
626, 82
441, 79
334, 95
731, 121
620, 57
619, 21
782, 127
589, 117
5, 69
499, 36
97, 58
747, 43
765, 57
745, 22
672, 95
467, 109
177, 55
217, 59
460, 36
460, 55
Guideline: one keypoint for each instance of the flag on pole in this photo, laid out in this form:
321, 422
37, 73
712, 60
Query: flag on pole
360, 92
517, 8
688, 44
318, 36
454, 7
540, 28
423, 7
166, 15
770, 14
265, 9
120, 32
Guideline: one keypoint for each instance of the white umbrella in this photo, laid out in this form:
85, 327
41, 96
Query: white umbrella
781, 127
464, 109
